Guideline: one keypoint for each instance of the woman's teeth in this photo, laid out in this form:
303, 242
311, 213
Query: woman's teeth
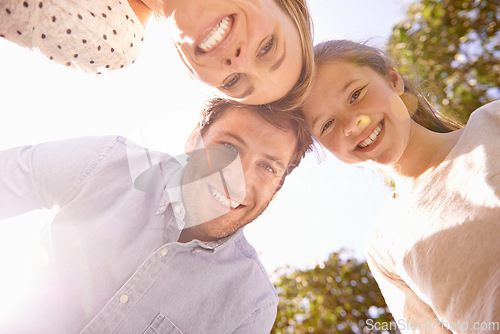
228, 203
216, 35
372, 138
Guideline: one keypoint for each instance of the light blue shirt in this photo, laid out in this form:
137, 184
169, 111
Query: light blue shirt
115, 265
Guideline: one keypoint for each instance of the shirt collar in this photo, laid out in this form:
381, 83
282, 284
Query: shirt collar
172, 196
213, 246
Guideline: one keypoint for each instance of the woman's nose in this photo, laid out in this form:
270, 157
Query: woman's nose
237, 60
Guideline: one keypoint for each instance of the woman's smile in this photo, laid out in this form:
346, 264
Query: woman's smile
216, 35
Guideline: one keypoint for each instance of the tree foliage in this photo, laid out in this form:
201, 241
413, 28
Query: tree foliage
337, 296
454, 45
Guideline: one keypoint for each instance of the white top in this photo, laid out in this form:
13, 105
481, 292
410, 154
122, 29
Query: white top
92, 35
435, 252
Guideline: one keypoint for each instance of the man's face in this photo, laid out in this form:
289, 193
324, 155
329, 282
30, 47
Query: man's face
253, 155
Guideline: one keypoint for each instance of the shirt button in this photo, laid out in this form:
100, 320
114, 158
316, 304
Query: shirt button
163, 252
161, 210
179, 211
123, 299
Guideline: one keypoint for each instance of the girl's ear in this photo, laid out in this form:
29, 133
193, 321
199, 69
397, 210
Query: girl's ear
194, 140
396, 81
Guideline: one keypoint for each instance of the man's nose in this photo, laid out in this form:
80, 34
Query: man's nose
355, 123
234, 179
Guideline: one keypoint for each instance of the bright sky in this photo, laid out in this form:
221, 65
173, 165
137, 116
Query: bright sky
324, 204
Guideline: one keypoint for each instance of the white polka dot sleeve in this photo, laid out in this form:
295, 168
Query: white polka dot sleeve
91, 35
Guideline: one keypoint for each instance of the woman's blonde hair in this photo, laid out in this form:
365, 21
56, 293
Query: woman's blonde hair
299, 13
361, 54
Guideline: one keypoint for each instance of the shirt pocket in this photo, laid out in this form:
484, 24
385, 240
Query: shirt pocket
162, 325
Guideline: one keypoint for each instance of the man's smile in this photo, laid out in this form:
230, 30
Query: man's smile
221, 198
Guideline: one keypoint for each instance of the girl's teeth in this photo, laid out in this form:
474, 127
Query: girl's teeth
372, 138
215, 36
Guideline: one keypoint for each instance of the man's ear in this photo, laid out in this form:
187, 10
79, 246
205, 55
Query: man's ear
396, 81
194, 140
275, 194
276, 191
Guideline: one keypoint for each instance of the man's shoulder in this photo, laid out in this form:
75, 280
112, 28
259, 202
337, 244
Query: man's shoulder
245, 250
111, 149
248, 257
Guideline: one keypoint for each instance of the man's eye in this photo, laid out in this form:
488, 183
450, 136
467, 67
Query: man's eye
268, 168
267, 48
231, 147
231, 81
326, 126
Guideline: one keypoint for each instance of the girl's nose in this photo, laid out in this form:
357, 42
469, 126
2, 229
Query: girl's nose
355, 124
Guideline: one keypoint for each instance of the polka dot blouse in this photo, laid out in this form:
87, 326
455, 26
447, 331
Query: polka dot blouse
91, 35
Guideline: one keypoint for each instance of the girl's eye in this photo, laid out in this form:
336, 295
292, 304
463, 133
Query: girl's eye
326, 126
267, 48
356, 94
231, 81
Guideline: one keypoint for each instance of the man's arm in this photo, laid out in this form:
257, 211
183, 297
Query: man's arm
42, 176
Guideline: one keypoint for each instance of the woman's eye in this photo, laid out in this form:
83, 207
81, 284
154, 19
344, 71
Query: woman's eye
326, 126
231, 81
267, 48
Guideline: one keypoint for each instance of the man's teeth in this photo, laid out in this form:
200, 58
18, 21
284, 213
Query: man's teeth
228, 203
216, 35
372, 138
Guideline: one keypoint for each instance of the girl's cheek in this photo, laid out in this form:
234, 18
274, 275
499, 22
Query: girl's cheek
330, 143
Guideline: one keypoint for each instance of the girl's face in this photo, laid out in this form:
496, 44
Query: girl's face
357, 114
249, 50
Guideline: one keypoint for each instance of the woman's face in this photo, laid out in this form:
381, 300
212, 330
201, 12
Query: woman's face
249, 50
357, 114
